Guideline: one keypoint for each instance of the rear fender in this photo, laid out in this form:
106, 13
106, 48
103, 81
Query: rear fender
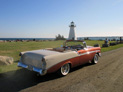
58, 66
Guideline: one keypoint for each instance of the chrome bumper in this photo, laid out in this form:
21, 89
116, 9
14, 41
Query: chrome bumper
100, 54
32, 68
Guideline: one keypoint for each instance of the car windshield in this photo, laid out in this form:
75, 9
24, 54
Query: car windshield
74, 43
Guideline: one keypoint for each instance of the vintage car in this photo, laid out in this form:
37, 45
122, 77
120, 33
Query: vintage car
59, 60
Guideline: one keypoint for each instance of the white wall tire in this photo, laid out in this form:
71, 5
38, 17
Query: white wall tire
64, 70
95, 59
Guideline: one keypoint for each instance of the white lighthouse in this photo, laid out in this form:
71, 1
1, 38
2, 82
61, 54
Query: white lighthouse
72, 35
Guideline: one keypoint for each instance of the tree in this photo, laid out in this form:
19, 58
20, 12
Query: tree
60, 37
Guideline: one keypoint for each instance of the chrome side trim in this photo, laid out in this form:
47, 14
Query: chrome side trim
89, 52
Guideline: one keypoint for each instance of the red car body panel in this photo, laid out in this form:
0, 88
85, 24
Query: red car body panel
86, 55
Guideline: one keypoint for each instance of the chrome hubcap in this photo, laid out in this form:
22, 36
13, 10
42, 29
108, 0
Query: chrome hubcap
96, 58
65, 69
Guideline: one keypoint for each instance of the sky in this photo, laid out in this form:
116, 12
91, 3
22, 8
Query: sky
48, 18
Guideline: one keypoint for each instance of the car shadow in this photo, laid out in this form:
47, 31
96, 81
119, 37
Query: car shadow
80, 67
14, 81
20, 79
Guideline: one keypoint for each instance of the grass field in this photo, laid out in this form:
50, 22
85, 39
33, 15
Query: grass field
13, 49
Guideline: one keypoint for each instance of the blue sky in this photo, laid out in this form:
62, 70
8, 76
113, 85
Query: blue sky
47, 18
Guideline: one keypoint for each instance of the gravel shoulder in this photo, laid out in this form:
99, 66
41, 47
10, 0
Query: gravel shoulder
106, 76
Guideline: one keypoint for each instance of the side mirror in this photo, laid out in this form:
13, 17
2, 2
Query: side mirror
84, 44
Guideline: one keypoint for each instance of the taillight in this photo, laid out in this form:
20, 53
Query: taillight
43, 63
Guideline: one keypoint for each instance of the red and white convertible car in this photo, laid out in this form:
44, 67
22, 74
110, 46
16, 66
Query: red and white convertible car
59, 60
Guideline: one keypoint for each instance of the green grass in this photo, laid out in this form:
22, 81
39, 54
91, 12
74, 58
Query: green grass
13, 49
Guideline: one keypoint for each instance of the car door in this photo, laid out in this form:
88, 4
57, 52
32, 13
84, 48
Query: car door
92, 52
84, 56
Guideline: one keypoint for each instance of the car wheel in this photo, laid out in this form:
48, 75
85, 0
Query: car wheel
95, 59
64, 70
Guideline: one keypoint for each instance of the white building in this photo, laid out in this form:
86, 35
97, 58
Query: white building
72, 34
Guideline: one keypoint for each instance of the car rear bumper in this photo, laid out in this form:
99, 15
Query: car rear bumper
31, 68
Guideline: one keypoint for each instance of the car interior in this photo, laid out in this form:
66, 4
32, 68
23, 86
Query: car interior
74, 47
66, 47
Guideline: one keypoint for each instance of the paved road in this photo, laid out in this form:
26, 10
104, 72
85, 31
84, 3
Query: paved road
106, 76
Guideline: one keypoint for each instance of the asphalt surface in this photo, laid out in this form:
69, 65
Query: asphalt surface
106, 76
